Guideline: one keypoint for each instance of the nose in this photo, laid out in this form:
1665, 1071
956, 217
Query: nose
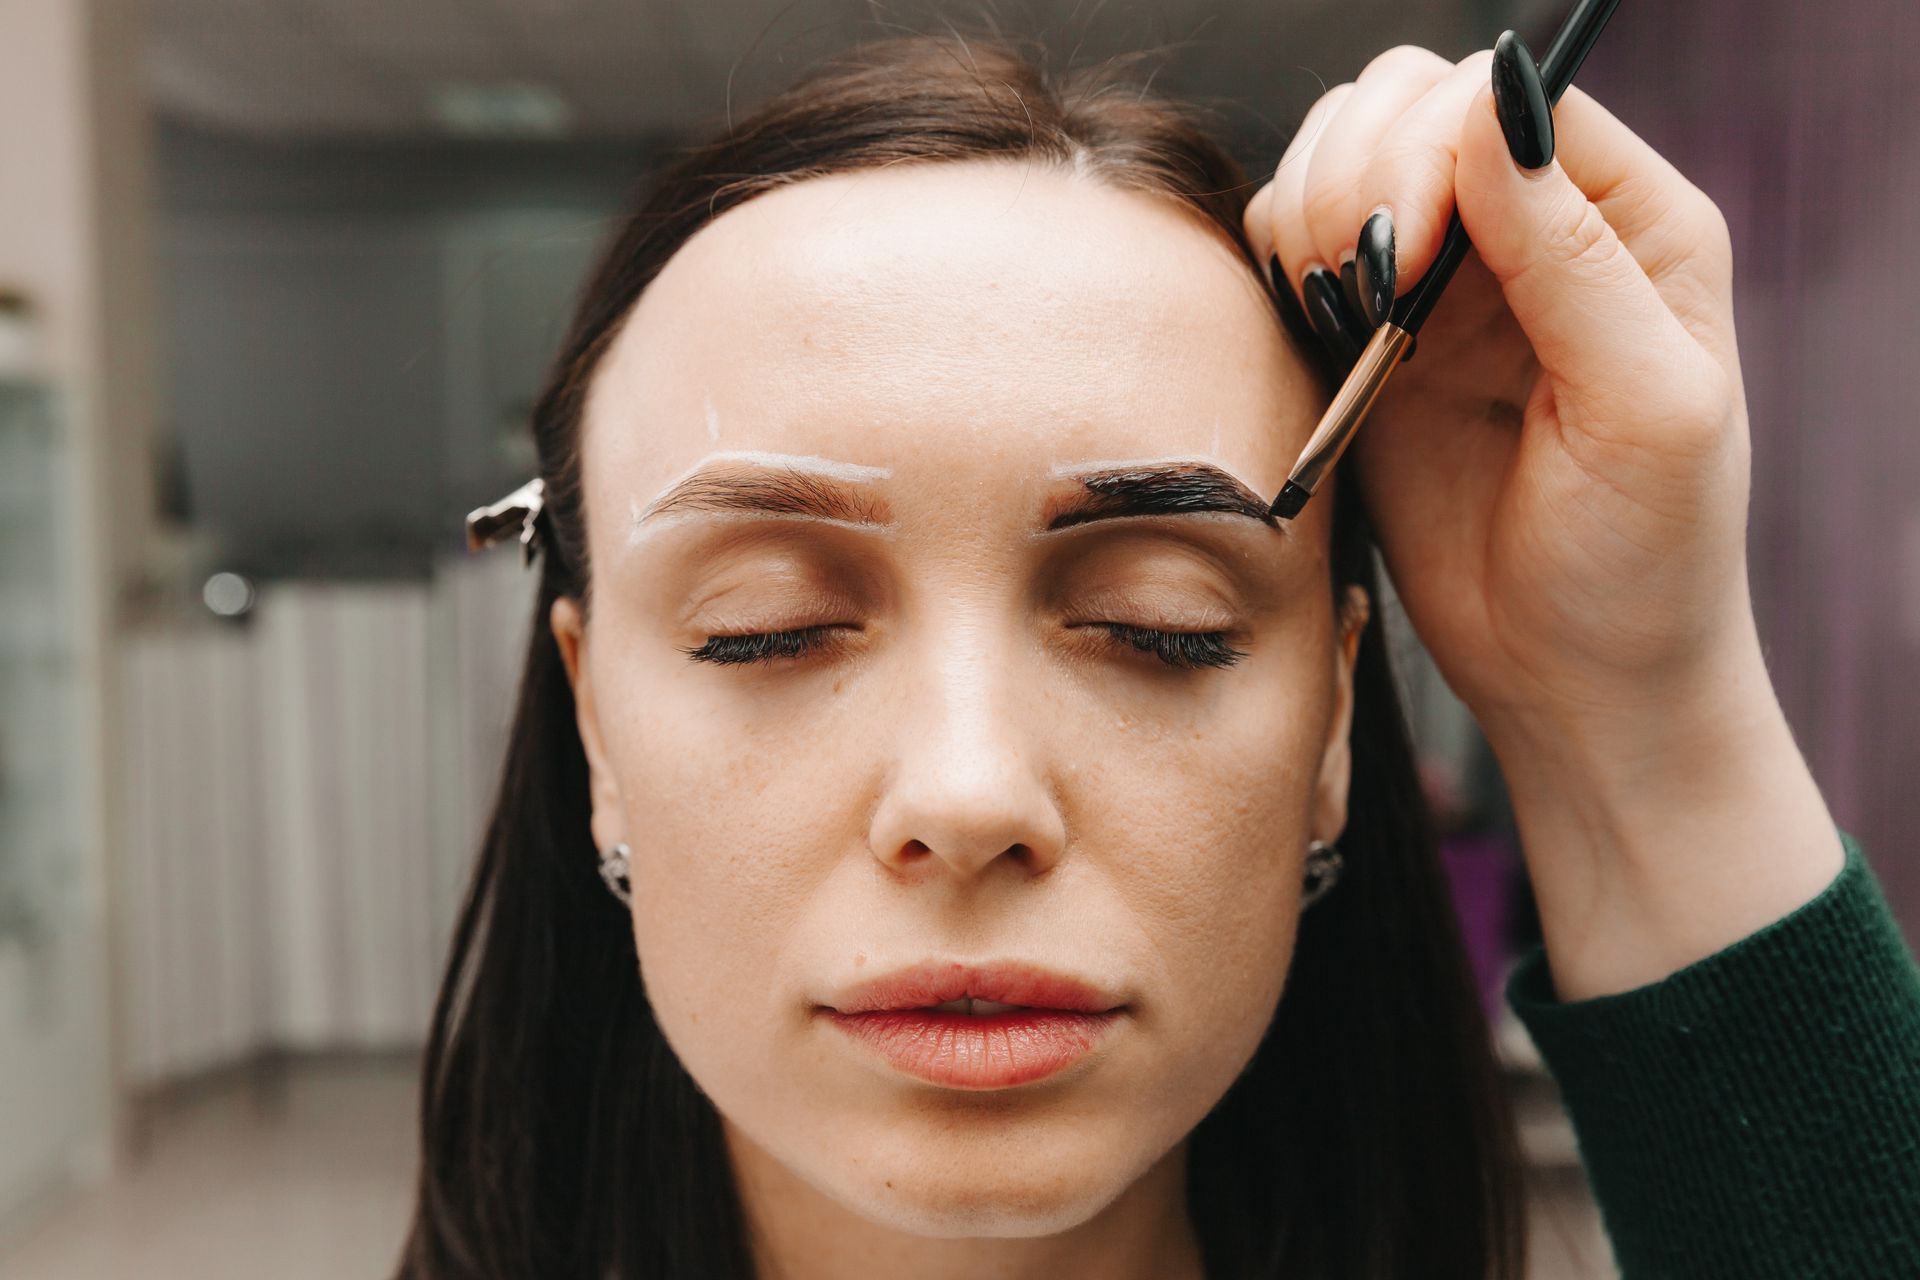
969, 780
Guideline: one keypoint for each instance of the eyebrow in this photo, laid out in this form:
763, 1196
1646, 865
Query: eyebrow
1107, 491
769, 491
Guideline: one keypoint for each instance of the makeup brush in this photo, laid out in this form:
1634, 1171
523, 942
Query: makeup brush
1392, 343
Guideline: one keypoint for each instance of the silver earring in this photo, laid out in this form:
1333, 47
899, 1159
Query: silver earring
616, 867
1323, 870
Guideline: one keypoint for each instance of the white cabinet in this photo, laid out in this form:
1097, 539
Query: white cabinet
54, 1061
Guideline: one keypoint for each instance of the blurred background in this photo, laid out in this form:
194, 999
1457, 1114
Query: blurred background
278, 279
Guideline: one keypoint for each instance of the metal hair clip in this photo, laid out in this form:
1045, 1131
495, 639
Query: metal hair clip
488, 525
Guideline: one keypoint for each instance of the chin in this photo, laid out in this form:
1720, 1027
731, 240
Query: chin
998, 1183
997, 1202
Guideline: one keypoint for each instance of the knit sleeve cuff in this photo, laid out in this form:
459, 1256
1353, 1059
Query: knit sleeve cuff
1756, 1113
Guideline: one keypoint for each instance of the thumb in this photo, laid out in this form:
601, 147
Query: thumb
1595, 319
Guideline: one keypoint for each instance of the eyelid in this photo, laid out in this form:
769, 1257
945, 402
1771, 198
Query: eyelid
1155, 620
1168, 553
1207, 605
784, 594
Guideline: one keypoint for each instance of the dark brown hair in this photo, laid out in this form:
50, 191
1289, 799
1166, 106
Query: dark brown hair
561, 1137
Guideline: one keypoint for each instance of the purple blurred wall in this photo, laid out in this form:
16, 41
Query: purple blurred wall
1803, 123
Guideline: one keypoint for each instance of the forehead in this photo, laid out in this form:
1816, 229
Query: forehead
951, 315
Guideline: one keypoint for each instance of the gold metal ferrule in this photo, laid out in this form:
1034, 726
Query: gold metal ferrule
1350, 404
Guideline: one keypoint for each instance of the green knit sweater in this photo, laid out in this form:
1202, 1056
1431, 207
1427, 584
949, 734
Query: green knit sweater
1756, 1114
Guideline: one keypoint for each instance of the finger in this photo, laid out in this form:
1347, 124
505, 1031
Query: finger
1280, 230
1671, 227
1293, 314
1254, 220
1410, 171
1593, 315
1330, 200
1340, 329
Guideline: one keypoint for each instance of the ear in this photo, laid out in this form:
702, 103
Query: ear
609, 820
1336, 762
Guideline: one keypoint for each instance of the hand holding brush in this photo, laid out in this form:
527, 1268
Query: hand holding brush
1559, 484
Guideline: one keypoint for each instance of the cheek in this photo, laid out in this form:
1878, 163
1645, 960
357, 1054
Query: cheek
1207, 832
733, 827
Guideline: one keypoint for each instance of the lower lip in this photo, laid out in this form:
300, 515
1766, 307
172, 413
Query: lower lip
978, 1051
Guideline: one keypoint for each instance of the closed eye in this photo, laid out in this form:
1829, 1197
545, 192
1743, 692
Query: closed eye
1179, 649
761, 646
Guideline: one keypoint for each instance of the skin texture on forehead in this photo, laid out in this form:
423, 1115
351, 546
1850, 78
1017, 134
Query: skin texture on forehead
969, 776
1049, 312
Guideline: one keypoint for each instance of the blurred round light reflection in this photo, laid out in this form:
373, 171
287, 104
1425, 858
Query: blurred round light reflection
228, 594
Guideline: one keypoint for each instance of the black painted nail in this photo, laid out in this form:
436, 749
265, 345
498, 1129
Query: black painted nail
1292, 315
1350, 287
1325, 309
1350, 304
1520, 100
1376, 272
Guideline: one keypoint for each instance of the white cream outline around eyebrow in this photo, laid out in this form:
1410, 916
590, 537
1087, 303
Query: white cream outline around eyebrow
855, 472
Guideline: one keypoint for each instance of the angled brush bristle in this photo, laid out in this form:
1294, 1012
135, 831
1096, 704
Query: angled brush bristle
1291, 499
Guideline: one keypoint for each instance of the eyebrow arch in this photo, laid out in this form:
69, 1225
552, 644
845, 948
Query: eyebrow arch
771, 484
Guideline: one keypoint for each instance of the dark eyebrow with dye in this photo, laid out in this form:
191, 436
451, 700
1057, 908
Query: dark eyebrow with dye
1173, 489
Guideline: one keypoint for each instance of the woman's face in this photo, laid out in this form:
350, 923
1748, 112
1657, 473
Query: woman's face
967, 767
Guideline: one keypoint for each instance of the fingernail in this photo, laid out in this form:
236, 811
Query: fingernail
1520, 100
1350, 303
1375, 274
1350, 284
1292, 315
1325, 311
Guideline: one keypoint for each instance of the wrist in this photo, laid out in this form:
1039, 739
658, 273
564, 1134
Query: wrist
1660, 829
1659, 738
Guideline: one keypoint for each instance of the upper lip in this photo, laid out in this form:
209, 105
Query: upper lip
932, 982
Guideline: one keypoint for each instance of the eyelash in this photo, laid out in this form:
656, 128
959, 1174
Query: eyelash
1186, 650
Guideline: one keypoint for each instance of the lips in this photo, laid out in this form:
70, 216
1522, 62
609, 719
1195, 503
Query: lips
989, 1026
978, 1051
932, 983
